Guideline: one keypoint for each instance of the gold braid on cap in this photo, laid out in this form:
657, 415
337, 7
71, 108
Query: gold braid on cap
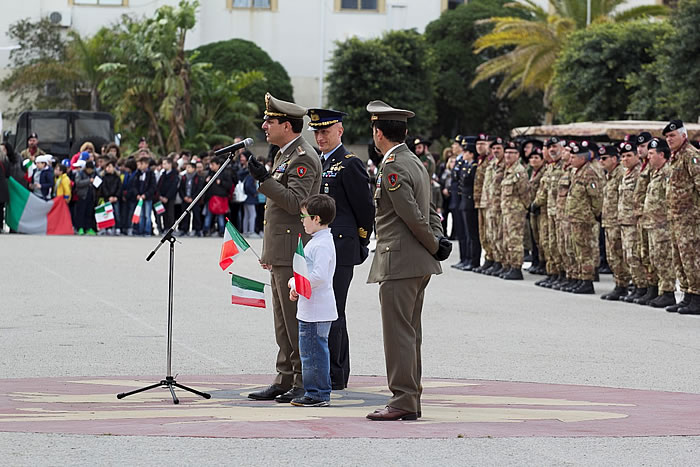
328, 123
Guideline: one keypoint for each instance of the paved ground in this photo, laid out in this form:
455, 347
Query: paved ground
92, 307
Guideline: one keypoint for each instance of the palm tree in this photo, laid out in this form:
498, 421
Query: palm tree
532, 42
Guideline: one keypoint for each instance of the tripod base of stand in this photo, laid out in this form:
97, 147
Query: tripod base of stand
170, 383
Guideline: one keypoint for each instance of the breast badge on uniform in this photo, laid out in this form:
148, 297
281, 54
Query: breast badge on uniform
301, 171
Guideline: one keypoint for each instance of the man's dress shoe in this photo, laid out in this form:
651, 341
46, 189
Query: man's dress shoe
288, 396
267, 394
391, 413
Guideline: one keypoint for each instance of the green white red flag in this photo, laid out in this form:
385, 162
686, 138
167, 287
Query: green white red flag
29, 214
104, 216
247, 292
136, 217
159, 208
301, 272
234, 244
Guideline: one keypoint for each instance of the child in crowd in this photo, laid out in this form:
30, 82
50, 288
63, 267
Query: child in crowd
62, 186
110, 190
190, 186
84, 207
316, 313
143, 188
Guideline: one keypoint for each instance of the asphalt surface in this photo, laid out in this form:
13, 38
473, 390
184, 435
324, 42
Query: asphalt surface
79, 306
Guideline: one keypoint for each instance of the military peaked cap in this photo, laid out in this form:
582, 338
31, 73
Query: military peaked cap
275, 108
382, 111
323, 118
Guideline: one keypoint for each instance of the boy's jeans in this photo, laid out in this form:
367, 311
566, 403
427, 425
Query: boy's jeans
315, 359
220, 220
145, 221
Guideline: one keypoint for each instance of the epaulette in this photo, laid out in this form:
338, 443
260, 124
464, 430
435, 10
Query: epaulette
348, 156
300, 151
391, 158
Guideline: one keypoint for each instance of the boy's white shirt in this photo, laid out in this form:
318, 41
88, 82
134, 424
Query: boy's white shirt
319, 253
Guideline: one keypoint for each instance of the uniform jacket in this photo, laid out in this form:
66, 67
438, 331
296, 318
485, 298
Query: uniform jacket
655, 210
640, 189
345, 179
479, 180
296, 173
455, 192
625, 204
466, 186
407, 225
563, 186
489, 170
515, 190
494, 187
684, 185
556, 172
542, 193
535, 181
585, 200
611, 197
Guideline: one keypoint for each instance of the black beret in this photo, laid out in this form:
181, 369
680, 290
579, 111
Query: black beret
627, 146
672, 126
482, 137
511, 145
608, 150
552, 141
658, 144
643, 137
32, 135
497, 141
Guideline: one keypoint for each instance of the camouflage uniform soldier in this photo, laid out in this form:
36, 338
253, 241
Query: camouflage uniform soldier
482, 149
609, 156
684, 215
628, 218
555, 263
539, 207
536, 161
493, 209
563, 230
515, 199
655, 224
583, 206
640, 191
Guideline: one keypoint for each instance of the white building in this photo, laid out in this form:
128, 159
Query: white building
300, 34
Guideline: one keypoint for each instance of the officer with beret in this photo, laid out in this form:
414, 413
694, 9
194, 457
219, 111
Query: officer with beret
684, 215
642, 140
422, 148
296, 174
410, 246
345, 179
33, 150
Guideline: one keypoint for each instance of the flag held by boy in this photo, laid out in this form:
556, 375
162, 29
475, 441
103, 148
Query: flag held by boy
104, 216
247, 292
136, 218
234, 244
301, 272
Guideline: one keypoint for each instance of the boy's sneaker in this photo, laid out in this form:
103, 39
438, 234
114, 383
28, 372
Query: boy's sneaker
91, 232
309, 402
81, 231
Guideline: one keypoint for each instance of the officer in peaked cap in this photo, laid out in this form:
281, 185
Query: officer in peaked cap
410, 246
345, 179
296, 174
422, 150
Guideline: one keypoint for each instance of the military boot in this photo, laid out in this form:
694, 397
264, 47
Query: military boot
652, 293
563, 281
495, 270
504, 272
574, 285
533, 267
617, 294
693, 308
541, 282
515, 274
681, 304
663, 300
483, 267
542, 268
637, 292
586, 287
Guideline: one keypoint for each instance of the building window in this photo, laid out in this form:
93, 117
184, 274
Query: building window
451, 4
360, 5
257, 4
101, 2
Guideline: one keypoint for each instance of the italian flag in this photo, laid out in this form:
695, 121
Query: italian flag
136, 218
104, 216
158, 206
301, 273
234, 244
247, 292
27, 213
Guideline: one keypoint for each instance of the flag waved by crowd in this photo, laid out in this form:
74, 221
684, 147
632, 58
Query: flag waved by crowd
29, 214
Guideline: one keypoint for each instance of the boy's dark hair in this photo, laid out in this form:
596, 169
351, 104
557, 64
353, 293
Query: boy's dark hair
322, 206
169, 160
110, 161
193, 165
130, 164
62, 168
145, 159
393, 130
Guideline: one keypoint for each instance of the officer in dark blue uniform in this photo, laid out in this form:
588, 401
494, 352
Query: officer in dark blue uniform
458, 219
470, 217
345, 179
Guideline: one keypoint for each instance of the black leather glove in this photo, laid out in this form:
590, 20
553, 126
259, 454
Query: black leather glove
257, 170
444, 249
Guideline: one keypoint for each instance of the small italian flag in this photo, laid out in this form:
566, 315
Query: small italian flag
158, 206
247, 292
301, 273
136, 218
234, 244
28, 165
104, 216
27, 213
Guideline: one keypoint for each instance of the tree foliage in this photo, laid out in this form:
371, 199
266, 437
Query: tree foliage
668, 87
459, 108
592, 70
242, 56
394, 68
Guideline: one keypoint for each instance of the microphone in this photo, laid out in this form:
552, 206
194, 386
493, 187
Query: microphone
235, 147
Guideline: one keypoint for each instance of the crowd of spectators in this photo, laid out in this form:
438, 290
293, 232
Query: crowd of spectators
91, 178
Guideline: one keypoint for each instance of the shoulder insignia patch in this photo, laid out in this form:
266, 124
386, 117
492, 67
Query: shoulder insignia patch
301, 171
695, 160
348, 156
593, 185
300, 151
362, 232
391, 158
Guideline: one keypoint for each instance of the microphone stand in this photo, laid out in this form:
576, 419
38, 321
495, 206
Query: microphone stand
169, 381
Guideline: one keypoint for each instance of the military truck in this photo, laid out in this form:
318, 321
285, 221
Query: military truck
62, 132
